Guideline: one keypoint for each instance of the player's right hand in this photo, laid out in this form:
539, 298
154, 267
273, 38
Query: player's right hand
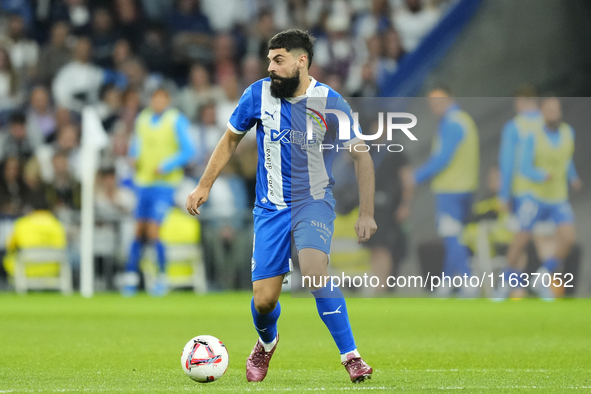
196, 198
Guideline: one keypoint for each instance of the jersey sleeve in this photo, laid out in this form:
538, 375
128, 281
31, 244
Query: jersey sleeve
186, 148
452, 135
509, 141
244, 116
134, 145
339, 103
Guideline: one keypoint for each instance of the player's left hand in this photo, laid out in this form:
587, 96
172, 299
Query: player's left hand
196, 198
365, 227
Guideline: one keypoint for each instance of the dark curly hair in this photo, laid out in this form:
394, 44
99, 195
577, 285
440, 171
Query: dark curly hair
294, 39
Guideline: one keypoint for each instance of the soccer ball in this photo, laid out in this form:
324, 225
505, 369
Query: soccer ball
204, 359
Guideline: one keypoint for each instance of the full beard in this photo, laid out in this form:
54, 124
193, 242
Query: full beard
284, 87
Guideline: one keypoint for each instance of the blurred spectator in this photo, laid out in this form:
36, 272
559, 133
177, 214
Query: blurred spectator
113, 203
116, 156
336, 53
16, 142
335, 82
413, 22
9, 82
24, 52
78, 82
144, 82
257, 41
76, 13
35, 190
293, 13
361, 81
109, 106
205, 134
230, 102
63, 117
191, 32
41, 123
129, 17
186, 17
251, 71
11, 187
388, 62
235, 12
368, 86
199, 91
122, 52
131, 108
103, 36
55, 54
374, 21
20, 8
64, 192
157, 10
155, 50
225, 61
66, 144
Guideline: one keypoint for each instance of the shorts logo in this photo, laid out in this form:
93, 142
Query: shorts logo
253, 265
323, 226
264, 200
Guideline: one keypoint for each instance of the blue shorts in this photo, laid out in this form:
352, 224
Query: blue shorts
532, 211
153, 202
452, 210
309, 225
515, 203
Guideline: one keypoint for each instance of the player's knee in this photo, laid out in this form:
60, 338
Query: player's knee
264, 305
314, 271
153, 232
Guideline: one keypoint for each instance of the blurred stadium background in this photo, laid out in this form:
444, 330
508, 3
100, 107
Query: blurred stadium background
59, 56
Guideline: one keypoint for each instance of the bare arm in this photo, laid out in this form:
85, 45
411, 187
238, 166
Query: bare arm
366, 225
219, 158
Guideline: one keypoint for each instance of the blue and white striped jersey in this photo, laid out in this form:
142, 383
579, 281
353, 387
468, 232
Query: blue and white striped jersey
292, 169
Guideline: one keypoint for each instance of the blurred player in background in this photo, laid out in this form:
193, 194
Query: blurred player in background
513, 189
548, 167
454, 167
293, 194
161, 147
527, 120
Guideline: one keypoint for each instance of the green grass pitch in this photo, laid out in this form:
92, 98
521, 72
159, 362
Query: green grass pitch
50, 343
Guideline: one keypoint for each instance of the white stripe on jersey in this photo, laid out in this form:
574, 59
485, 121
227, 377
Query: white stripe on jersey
318, 176
272, 149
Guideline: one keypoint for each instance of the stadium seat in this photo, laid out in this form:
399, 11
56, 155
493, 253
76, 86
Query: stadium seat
46, 261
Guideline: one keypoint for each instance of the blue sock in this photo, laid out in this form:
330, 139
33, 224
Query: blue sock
551, 264
333, 312
266, 325
135, 254
160, 255
456, 257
